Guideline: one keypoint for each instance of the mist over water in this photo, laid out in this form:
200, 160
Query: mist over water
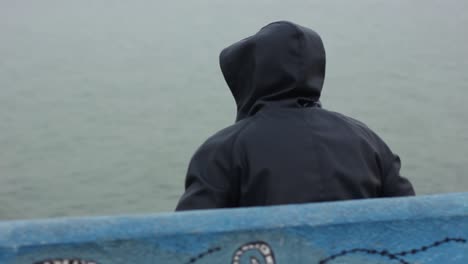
102, 103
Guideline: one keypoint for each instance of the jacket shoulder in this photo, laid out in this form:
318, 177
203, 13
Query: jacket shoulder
358, 126
224, 139
351, 121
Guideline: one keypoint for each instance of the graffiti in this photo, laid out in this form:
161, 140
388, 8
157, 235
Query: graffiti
260, 252
259, 246
398, 256
203, 254
65, 261
267, 253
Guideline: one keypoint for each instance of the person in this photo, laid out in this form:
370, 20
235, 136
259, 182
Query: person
284, 148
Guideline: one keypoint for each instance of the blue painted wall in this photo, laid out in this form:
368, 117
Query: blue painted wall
425, 229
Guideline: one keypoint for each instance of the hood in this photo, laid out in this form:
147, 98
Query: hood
281, 62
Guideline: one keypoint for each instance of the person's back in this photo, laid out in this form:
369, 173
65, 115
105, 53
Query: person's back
284, 148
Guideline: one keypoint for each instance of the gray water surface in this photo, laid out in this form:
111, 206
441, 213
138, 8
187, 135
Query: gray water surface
102, 103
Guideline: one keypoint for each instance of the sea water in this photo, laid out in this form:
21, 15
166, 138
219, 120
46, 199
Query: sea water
102, 103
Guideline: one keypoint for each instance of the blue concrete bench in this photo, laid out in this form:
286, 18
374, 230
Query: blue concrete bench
424, 229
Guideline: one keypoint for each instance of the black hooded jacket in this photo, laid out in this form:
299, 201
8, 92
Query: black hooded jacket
284, 148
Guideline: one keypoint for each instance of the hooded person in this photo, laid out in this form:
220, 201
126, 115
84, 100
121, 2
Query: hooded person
284, 148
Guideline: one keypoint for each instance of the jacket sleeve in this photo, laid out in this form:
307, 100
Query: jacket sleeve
393, 184
209, 180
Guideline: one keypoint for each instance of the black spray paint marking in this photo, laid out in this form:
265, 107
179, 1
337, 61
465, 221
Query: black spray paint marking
398, 256
269, 258
203, 254
65, 261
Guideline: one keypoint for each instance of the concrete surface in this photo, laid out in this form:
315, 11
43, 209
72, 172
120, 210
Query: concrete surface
424, 229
